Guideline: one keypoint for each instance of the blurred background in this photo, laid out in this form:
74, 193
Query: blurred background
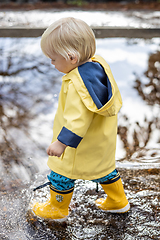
128, 37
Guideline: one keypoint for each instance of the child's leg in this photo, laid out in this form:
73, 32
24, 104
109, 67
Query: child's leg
61, 190
116, 201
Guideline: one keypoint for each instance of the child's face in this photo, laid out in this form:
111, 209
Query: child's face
61, 64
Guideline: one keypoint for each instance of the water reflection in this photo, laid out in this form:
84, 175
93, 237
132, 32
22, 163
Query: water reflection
26, 92
142, 134
150, 91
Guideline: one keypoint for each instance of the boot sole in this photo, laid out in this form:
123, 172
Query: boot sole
32, 215
122, 210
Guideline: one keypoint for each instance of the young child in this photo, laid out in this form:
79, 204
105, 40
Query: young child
85, 125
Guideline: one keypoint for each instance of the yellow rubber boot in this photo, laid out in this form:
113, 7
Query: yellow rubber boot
116, 201
57, 205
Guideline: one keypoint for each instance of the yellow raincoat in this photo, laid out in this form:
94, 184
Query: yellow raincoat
90, 131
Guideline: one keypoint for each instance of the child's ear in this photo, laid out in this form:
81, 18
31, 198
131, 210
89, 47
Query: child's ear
73, 58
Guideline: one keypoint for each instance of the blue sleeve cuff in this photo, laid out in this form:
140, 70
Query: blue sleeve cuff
69, 138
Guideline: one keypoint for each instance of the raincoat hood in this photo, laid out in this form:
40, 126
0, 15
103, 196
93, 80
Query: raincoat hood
112, 107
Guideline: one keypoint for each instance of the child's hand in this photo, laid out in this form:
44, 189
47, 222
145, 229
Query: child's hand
56, 149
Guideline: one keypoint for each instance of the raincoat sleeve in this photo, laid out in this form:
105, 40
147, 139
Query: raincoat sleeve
77, 119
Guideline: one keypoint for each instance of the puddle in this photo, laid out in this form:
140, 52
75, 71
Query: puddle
85, 220
29, 88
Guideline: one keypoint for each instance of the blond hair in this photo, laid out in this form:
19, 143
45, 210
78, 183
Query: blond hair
69, 37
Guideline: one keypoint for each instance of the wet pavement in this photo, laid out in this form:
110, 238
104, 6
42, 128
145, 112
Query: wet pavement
85, 220
29, 88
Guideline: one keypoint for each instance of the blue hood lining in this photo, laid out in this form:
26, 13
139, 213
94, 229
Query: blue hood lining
96, 82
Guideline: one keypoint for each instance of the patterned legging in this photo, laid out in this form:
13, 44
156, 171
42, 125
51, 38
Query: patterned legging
63, 183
